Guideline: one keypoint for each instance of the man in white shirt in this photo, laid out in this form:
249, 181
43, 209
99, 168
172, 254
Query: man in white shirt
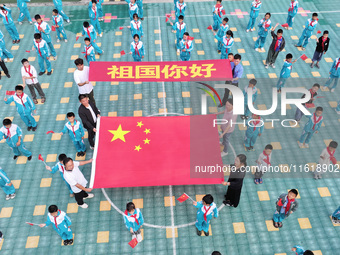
29, 77
77, 181
81, 78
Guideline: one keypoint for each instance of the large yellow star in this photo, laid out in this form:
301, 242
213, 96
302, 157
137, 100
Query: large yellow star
146, 141
118, 134
147, 131
138, 148
139, 124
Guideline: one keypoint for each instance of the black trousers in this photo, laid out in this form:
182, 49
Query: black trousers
91, 137
233, 196
3, 66
227, 91
80, 197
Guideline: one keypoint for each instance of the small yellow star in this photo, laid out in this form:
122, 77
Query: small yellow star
147, 131
146, 141
139, 124
137, 148
118, 134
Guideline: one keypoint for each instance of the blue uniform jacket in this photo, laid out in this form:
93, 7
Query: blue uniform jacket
24, 105
131, 222
313, 119
76, 132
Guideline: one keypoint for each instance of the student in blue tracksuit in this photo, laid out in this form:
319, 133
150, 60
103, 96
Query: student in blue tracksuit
89, 52
299, 250
255, 126
43, 54
206, 210
13, 135
224, 27
60, 222
6, 185
133, 8
58, 4
93, 13
25, 107
180, 27
264, 28
254, 13
137, 49
90, 32
217, 11
22, 5
336, 216
61, 168
292, 11
334, 75
99, 8
227, 42
44, 30
285, 72
58, 22
180, 8
140, 9
134, 220
136, 26
76, 132
312, 126
6, 15
186, 47
5, 52
337, 109
308, 31
251, 85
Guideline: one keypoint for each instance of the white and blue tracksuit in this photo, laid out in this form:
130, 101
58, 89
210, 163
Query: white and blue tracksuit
43, 53
336, 213
180, 9
134, 221
245, 94
5, 52
45, 35
140, 8
204, 215
59, 167
338, 107
93, 13
284, 75
220, 33
25, 107
264, 28
58, 4
133, 8
180, 29
137, 50
4, 183
307, 33
22, 5
254, 13
12, 137
188, 47
299, 250
217, 17
292, 11
136, 28
61, 224
91, 33
99, 8
59, 21
7, 19
313, 125
227, 43
335, 74
76, 132
89, 53
254, 128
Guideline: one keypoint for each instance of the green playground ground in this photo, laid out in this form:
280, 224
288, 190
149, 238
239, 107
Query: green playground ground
100, 228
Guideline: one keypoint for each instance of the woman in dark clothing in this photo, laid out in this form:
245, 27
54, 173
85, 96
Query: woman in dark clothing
235, 181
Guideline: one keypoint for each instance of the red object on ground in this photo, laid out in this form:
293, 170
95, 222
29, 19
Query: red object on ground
133, 243
28, 51
121, 28
168, 15
183, 198
77, 38
166, 19
285, 25
210, 27
40, 157
10, 93
122, 53
319, 32
174, 150
304, 57
49, 132
333, 160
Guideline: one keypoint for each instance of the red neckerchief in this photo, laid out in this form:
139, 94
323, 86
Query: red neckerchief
266, 160
337, 64
136, 48
180, 7
39, 48
39, 27
323, 43
133, 216
206, 212
277, 42
311, 22
62, 168
5, 12
76, 121
218, 11
257, 4
29, 71
187, 44
55, 220
292, 6
21, 100
136, 22
312, 93
86, 49
265, 23
180, 27
331, 154
9, 134
316, 121
95, 12
131, 5
255, 123
228, 41
88, 32
55, 19
288, 204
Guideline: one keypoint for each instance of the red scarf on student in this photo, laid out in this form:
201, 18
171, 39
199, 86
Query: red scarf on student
323, 43
187, 44
331, 155
337, 64
88, 32
267, 158
76, 121
136, 22
21, 99
206, 212
180, 7
136, 49
218, 10
255, 123
62, 168
316, 121
5, 12
39, 27
257, 4
55, 220
86, 49
8, 134
95, 12
277, 43
56, 22
180, 27
29, 71
39, 48
133, 216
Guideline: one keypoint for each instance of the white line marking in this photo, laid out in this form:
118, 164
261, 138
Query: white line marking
172, 221
161, 52
93, 168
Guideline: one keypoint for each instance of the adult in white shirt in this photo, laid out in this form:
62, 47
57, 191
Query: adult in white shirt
77, 181
29, 77
81, 78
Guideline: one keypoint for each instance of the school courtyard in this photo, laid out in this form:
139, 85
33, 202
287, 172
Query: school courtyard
244, 230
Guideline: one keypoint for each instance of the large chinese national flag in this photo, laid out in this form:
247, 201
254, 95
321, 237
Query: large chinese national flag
155, 151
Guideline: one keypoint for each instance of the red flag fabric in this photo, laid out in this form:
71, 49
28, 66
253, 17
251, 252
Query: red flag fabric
49, 132
183, 198
165, 150
77, 38
10, 93
53, 28
28, 51
168, 15
304, 57
29, 223
223, 12
267, 25
190, 38
311, 105
333, 160
166, 19
121, 28
122, 53
133, 243
285, 25
40, 157
319, 32
210, 27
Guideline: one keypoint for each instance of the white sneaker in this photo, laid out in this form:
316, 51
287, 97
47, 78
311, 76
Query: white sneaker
5, 60
178, 50
300, 144
273, 66
101, 35
90, 195
68, 21
224, 154
338, 112
257, 49
20, 23
266, 66
262, 49
84, 206
58, 40
139, 238
247, 30
12, 196
55, 58
306, 145
253, 29
31, 22
65, 40
8, 197
332, 90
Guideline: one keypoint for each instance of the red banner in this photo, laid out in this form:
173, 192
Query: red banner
216, 69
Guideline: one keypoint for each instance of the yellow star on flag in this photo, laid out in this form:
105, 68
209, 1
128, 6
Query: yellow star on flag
147, 131
118, 134
139, 124
146, 141
138, 148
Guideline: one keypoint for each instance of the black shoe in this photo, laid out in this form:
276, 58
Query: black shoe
14, 41
206, 233
82, 153
29, 158
198, 232
79, 154
34, 128
41, 73
8, 76
18, 41
15, 157
29, 128
221, 105
218, 51
70, 241
65, 242
142, 19
243, 117
49, 73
